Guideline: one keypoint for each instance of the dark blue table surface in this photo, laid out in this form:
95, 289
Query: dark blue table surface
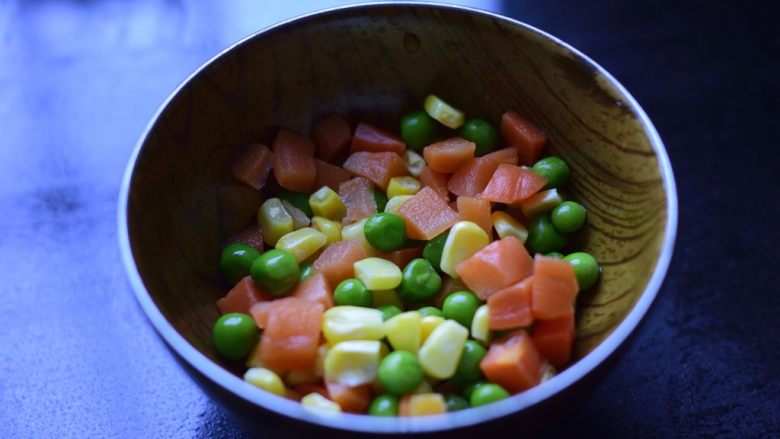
80, 79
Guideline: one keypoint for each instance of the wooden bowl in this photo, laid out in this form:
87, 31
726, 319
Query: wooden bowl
374, 63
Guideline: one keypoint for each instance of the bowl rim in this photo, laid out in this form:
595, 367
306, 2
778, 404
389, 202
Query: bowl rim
361, 423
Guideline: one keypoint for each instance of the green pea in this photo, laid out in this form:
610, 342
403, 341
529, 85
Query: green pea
352, 292
384, 405
586, 269
468, 368
543, 237
400, 372
568, 216
434, 248
482, 134
307, 271
419, 281
430, 311
455, 403
461, 306
380, 198
389, 311
468, 389
234, 335
555, 255
297, 199
276, 271
418, 129
487, 393
554, 169
236, 261
385, 231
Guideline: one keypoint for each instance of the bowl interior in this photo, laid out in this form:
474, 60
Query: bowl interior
373, 64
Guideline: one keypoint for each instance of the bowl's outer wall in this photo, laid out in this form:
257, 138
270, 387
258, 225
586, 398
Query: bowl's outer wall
373, 65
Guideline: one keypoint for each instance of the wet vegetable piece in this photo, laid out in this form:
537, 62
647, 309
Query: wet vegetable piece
352, 292
358, 196
426, 215
510, 307
470, 180
543, 237
504, 155
443, 112
274, 220
586, 269
568, 216
487, 393
332, 136
236, 260
389, 311
276, 271
385, 231
468, 368
372, 139
523, 135
400, 372
512, 363
315, 288
461, 306
430, 311
449, 155
294, 166
242, 296
512, 184
329, 175
306, 270
380, 198
403, 256
482, 134
418, 129
253, 165
234, 335
554, 169
495, 267
353, 399
455, 403
384, 405
436, 181
292, 334
476, 210
434, 248
554, 288
420, 281
337, 260
298, 199
379, 167
554, 339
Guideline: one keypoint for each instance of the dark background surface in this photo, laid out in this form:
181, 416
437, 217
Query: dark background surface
80, 79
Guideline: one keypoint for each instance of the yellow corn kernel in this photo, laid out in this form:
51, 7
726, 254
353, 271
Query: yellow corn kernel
316, 402
300, 220
302, 243
415, 163
265, 379
295, 377
342, 323
506, 225
403, 331
440, 354
378, 273
427, 325
548, 372
353, 362
331, 229
386, 297
424, 404
402, 186
274, 220
540, 203
395, 203
355, 232
327, 203
443, 112
465, 239
480, 325
319, 362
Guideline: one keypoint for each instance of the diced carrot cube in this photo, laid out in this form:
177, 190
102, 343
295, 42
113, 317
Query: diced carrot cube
513, 363
329, 175
337, 261
242, 296
378, 167
259, 312
497, 266
358, 196
555, 288
523, 135
372, 139
436, 181
470, 180
316, 289
426, 215
292, 334
476, 210
252, 236
294, 166
554, 338
449, 155
351, 399
252, 165
237, 205
332, 136
511, 184
510, 308
505, 155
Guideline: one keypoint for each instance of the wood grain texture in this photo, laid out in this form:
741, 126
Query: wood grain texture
373, 66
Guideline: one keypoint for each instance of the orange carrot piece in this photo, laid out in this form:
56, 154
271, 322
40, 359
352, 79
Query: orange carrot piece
293, 395
403, 256
316, 289
511, 184
237, 205
259, 312
470, 180
403, 405
292, 334
252, 236
372, 139
523, 135
513, 363
449, 155
506, 155
294, 166
337, 260
332, 136
329, 175
351, 399
252, 165
555, 288
358, 196
477, 211
554, 338
426, 215
242, 296
510, 307
497, 266
436, 181
379, 167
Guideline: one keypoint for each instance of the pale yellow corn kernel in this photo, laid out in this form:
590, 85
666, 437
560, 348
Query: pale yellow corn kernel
342, 323
318, 403
480, 325
395, 203
353, 362
378, 274
319, 362
326, 202
265, 379
295, 377
403, 331
440, 354
302, 243
465, 239
415, 163
355, 232
300, 220
424, 387
274, 220
331, 229
541, 202
443, 112
427, 325
425, 404
506, 225
386, 297
402, 186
